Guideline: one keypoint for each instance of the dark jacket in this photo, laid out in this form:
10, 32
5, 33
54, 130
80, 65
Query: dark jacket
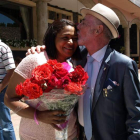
117, 115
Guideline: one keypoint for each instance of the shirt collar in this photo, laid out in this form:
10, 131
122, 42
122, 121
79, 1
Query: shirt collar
99, 55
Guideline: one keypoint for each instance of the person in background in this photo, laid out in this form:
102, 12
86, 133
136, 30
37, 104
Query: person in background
61, 44
7, 67
110, 108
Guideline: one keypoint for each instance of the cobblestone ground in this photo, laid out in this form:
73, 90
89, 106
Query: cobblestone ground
16, 120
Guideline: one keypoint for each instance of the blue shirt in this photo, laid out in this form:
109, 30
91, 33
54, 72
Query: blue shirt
98, 58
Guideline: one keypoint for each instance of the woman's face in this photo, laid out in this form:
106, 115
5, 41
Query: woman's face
66, 43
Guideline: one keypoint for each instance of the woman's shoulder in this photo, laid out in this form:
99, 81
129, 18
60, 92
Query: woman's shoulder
42, 57
35, 59
31, 61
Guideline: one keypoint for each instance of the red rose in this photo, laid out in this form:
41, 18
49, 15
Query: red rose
41, 73
64, 81
48, 66
79, 75
32, 91
84, 78
33, 80
61, 73
58, 66
51, 83
19, 89
52, 62
73, 88
26, 82
59, 84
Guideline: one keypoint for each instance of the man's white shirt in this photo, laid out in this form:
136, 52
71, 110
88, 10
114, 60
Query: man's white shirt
98, 58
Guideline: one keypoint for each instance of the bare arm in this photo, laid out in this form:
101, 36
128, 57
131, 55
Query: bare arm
6, 79
12, 100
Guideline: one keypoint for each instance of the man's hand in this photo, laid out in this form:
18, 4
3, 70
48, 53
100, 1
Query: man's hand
0, 87
37, 49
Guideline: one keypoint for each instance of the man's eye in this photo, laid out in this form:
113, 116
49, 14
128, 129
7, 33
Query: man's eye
82, 21
65, 38
75, 39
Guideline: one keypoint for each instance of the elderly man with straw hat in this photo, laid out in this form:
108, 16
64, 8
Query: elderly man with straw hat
110, 107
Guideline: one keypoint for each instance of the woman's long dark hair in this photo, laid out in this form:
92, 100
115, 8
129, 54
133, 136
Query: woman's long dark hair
50, 35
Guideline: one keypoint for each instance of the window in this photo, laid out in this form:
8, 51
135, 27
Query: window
55, 13
133, 39
52, 15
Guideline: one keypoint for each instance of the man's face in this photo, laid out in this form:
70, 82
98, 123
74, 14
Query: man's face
86, 30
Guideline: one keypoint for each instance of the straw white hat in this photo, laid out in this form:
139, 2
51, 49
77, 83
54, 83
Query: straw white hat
106, 15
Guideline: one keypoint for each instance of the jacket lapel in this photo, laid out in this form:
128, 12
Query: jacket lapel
101, 76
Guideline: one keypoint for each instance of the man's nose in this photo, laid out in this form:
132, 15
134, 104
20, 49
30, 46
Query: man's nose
70, 41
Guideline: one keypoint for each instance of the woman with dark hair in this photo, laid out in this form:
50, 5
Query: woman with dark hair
61, 44
53, 32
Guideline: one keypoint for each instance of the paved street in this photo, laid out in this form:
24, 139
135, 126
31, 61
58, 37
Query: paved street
16, 120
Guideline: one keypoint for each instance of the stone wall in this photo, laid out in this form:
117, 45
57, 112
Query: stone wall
10, 33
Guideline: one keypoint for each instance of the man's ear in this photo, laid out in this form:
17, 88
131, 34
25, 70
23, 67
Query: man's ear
99, 29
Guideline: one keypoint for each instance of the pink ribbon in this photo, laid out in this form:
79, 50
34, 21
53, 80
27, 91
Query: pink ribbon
63, 125
35, 116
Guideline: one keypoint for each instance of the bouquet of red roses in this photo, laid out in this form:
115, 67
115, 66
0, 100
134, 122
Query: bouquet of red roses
54, 86
53, 75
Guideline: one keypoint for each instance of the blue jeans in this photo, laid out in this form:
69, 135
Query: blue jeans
6, 127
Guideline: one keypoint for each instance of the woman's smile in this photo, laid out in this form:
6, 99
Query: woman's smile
66, 42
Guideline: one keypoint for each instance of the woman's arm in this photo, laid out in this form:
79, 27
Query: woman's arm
12, 100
